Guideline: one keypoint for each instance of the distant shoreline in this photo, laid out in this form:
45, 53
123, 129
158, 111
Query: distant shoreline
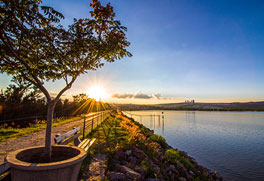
233, 107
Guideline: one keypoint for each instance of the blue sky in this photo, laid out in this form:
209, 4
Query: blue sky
210, 51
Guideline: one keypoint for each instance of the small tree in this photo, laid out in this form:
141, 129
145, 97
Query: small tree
36, 48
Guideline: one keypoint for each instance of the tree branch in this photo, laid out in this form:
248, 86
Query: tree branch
38, 82
68, 86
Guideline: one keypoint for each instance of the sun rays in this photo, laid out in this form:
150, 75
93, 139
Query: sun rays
93, 101
97, 92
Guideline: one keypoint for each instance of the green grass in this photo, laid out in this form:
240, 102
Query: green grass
13, 133
110, 135
159, 139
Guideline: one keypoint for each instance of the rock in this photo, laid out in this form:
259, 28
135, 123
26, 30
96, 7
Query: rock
216, 176
155, 160
124, 162
120, 155
140, 154
157, 169
179, 164
185, 172
130, 173
172, 168
128, 152
132, 160
191, 173
115, 163
116, 176
173, 176
162, 157
139, 169
182, 179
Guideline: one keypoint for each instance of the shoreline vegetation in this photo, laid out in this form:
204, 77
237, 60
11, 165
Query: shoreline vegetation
235, 106
134, 152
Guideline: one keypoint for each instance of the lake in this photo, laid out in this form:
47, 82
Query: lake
231, 143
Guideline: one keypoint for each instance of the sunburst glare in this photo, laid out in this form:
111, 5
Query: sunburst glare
97, 92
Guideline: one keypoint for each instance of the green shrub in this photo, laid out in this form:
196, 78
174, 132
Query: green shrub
173, 155
159, 139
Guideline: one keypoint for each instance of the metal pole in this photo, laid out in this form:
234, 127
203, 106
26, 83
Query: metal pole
97, 117
92, 124
84, 126
101, 117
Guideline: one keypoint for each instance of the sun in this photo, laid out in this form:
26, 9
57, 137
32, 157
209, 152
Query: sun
97, 92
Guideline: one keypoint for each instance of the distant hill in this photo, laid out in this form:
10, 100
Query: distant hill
235, 106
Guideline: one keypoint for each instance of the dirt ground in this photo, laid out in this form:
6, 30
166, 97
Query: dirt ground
35, 139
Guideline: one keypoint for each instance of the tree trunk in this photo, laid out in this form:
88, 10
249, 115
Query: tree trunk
48, 147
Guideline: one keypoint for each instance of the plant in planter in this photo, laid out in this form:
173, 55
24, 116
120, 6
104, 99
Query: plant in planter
35, 48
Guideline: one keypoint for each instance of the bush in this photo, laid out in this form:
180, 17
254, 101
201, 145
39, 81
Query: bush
173, 155
159, 139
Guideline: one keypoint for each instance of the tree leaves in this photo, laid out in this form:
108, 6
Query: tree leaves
36, 47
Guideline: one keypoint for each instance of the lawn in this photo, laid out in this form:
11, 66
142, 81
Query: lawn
12, 133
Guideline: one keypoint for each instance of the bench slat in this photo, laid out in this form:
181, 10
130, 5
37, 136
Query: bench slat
60, 138
83, 143
89, 144
70, 139
3, 169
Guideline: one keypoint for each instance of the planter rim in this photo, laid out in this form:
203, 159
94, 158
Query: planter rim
15, 163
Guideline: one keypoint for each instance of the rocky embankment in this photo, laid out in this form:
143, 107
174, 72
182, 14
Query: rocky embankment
147, 156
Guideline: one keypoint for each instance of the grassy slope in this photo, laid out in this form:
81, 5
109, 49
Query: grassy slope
12, 133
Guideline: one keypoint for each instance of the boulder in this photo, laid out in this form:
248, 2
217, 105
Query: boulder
116, 176
128, 152
132, 160
139, 169
156, 168
185, 172
124, 162
120, 155
172, 168
182, 179
131, 174
140, 154
179, 164
191, 173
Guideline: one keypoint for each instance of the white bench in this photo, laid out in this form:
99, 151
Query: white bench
73, 135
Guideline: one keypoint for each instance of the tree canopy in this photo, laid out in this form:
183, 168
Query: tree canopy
36, 48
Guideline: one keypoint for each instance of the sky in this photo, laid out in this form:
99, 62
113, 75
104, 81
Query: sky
209, 51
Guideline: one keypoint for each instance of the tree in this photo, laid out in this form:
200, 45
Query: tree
36, 48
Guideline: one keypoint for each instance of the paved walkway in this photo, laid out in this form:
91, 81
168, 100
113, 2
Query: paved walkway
35, 139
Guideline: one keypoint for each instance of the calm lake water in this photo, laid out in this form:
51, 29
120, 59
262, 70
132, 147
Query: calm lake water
231, 143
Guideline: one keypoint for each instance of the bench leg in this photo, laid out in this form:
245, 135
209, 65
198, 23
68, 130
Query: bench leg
77, 141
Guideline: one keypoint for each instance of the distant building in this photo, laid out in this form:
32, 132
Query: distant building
189, 101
